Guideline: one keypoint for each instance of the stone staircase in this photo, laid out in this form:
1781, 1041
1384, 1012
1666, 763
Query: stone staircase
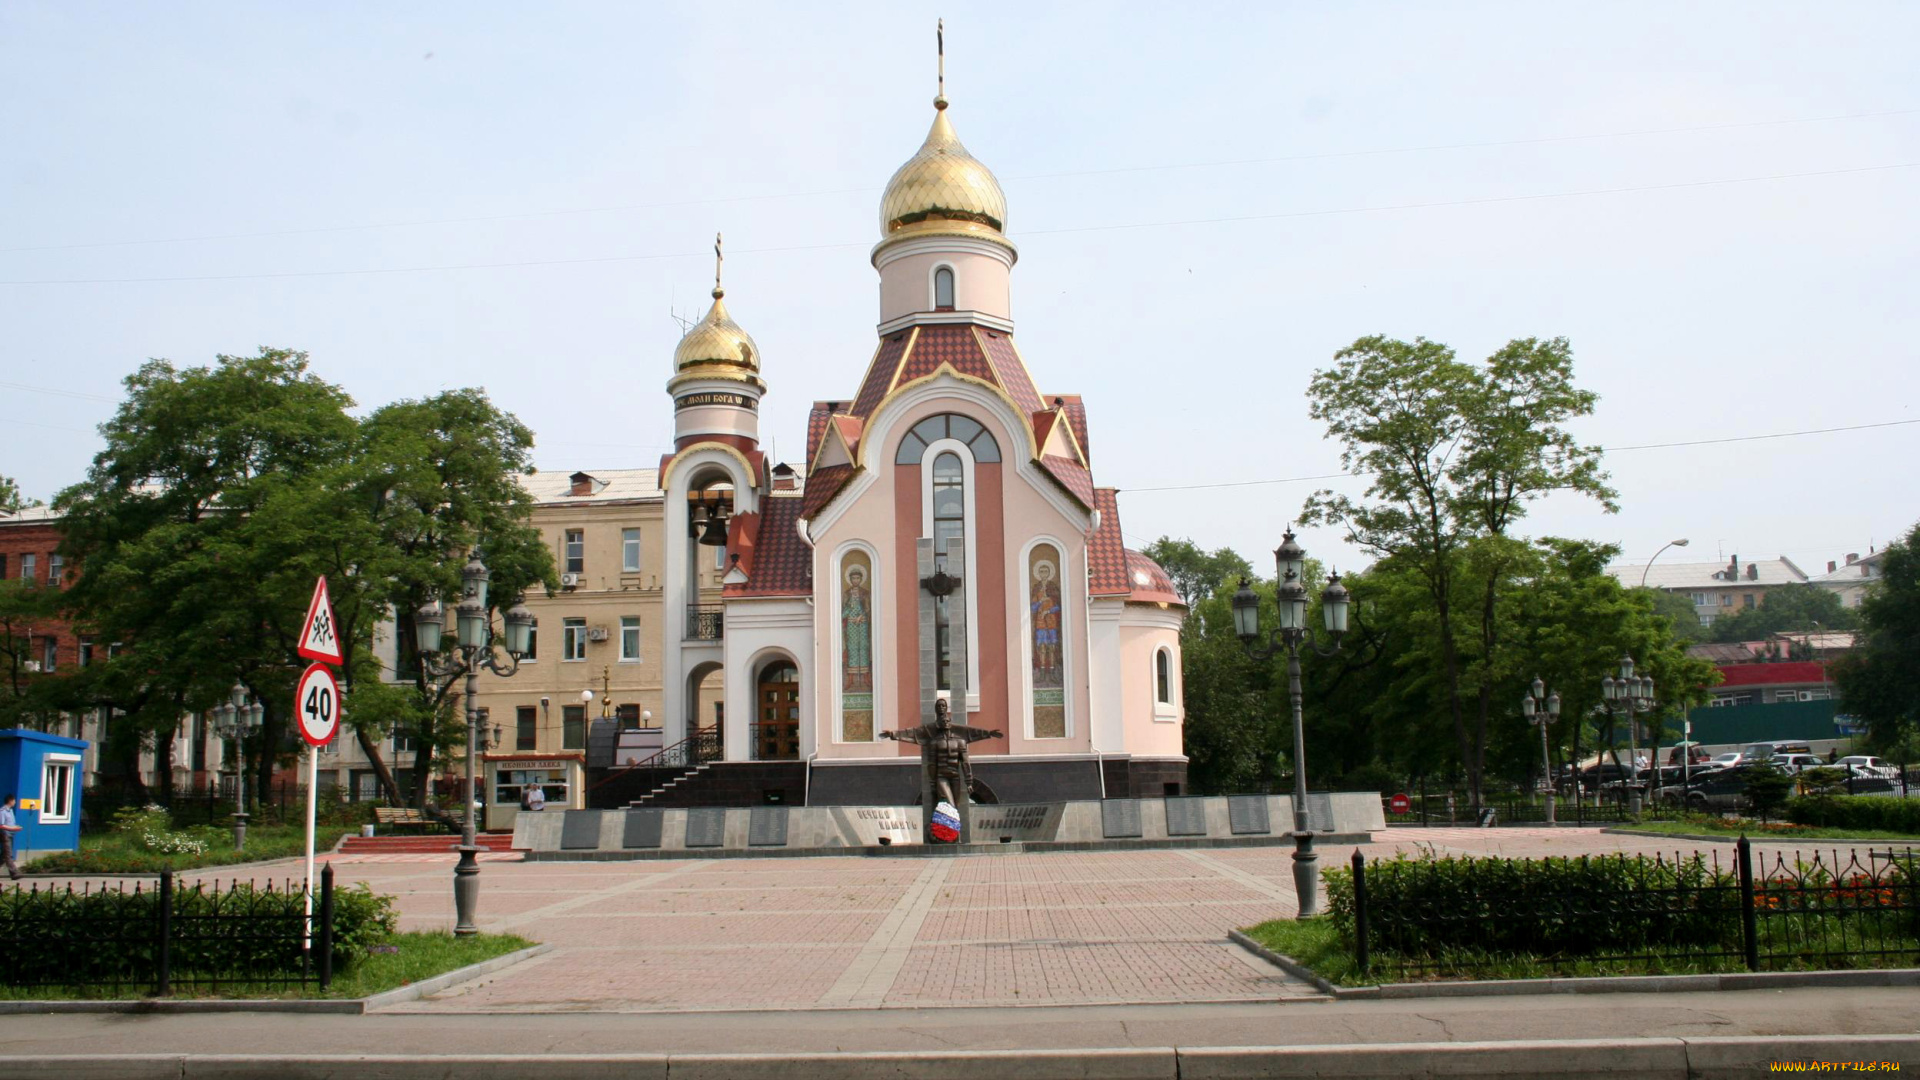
691, 776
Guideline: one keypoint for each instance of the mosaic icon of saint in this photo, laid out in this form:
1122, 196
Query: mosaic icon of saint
857, 631
1044, 602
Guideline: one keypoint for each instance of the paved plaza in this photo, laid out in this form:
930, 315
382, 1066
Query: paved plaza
1069, 928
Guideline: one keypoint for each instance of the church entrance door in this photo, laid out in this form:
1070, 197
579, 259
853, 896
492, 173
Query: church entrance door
776, 722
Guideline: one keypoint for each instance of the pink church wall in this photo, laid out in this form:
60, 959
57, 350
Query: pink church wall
906, 592
1148, 735
990, 533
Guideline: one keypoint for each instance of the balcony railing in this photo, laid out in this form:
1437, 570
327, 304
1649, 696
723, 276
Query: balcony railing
705, 622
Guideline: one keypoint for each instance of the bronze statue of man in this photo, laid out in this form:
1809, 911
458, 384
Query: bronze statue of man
943, 754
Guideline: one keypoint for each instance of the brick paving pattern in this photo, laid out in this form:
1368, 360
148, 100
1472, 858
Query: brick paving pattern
1037, 928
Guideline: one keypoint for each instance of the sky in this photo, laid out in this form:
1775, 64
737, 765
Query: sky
1716, 204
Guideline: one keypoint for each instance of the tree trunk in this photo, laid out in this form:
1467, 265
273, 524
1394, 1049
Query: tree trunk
422, 770
380, 768
272, 735
1450, 659
163, 763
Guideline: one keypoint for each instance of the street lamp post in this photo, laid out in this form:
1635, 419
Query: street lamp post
1682, 542
1291, 634
476, 648
1542, 709
1629, 696
236, 720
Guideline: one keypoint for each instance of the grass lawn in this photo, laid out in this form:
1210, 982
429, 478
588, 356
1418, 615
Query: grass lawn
414, 957
1733, 828
124, 853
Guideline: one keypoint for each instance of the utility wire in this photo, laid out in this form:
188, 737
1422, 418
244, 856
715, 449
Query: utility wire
58, 393
1034, 232
1604, 449
1116, 170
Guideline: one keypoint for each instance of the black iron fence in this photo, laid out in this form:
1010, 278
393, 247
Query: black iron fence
1455, 808
208, 804
163, 937
1413, 919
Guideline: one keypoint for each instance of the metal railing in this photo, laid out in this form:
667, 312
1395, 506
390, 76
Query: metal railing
706, 622
154, 939
1486, 917
702, 746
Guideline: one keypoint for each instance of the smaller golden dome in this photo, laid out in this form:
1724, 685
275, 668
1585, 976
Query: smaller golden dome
717, 341
943, 189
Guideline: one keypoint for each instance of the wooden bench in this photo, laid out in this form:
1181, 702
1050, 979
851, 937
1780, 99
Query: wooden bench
399, 818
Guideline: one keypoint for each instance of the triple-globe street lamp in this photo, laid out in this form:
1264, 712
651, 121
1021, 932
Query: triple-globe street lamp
1541, 709
1293, 632
236, 720
1629, 696
475, 647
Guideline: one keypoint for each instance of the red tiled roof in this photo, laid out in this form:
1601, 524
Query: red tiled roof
886, 361
1150, 583
1072, 476
1009, 372
1791, 672
1106, 555
1077, 416
781, 562
817, 427
850, 428
822, 486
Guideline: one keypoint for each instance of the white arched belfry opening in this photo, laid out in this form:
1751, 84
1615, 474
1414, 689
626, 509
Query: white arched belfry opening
705, 697
703, 479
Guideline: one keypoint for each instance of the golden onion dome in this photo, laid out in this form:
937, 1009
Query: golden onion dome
943, 189
717, 341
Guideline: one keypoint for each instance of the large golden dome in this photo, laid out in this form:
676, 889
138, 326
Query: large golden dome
717, 342
943, 189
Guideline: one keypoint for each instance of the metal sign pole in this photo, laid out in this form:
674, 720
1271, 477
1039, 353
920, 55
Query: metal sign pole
313, 785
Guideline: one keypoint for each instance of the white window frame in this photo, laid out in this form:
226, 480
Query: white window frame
1166, 711
573, 632
970, 533
56, 568
70, 763
566, 552
630, 623
933, 287
836, 637
1070, 620
29, 566
629, 551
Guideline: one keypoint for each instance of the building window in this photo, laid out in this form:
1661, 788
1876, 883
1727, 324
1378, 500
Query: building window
576, 551
1701, 599
630, 717
943, 289
56, 568
85, 652
573, 727
1163, 677
402, 743
3, 568
719, 556
49, 653
533, 645
629, 638
630, 551
1746, 600
573, 639
1726, 599
949, 523
856, 647
526, 728
1046, 643
980, 442
29, 567
56, 789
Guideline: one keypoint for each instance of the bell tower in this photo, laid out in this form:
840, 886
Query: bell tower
716, 384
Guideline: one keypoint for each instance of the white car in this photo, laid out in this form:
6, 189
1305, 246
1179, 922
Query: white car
1721, 761
1866, 765
1795, 763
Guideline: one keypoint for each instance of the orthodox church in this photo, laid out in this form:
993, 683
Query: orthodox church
945, 538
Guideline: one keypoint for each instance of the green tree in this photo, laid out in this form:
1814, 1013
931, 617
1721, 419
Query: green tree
1677, 610
27, 696
1198, 574
11, 501
1879, 680
1786, 607
1453, 453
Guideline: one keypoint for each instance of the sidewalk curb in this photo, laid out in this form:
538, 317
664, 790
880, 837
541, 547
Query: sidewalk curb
321, 1006
1591, 984
1692, 1058
938, 851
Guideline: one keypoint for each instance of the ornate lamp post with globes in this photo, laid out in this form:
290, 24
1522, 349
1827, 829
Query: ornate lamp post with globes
1629, 696
476, 648
1291, 634
1541, 709
236, 720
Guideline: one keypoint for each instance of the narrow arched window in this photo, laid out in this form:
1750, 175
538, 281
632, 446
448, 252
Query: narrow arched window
1163, 672
949, 523
943, 289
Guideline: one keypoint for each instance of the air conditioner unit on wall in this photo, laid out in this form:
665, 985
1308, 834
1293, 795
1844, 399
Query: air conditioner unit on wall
596, 633
569, 581
32, 666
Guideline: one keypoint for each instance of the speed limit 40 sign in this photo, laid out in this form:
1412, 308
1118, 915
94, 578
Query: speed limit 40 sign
316, 702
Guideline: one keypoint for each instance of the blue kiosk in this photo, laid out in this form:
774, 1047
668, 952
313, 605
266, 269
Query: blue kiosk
43, 774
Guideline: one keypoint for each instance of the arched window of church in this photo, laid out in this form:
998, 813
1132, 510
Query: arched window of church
856, 647
1163, 676
943, 289
1046, 642
949, 523
979, 441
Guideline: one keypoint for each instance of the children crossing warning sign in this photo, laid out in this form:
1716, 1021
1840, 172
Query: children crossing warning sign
320, 635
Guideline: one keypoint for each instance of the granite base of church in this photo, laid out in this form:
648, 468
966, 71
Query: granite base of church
1188, 821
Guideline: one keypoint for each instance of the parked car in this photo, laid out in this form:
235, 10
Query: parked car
1795, 763
1764, 751
1696, 753
1867, 765
1724, 760
1712, 789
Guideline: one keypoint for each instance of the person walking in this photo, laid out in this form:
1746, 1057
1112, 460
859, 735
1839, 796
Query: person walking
7, 829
